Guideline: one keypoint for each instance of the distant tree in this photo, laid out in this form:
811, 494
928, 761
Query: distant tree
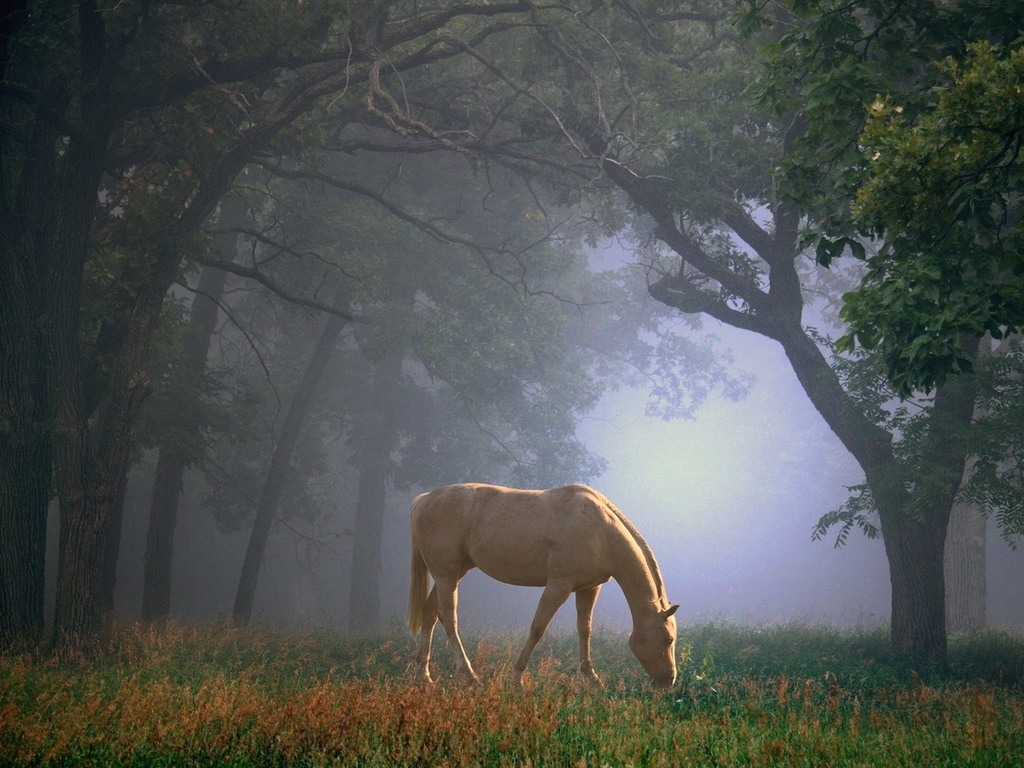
184, 444
463, 369
274, 481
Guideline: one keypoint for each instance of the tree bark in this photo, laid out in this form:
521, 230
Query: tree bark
90, 486
26, 461
914, 549
112, 553
966, 548
280, 460
966, 578
44, 226
163, 518
171, 465
364, 590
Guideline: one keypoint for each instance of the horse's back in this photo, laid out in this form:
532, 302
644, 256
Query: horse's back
516, 536
466, 505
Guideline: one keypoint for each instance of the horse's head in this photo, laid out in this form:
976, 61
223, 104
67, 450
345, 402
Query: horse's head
653, 642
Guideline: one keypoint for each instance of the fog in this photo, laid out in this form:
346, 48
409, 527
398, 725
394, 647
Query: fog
727, 500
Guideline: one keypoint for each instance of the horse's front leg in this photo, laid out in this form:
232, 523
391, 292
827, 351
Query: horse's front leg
555, 593
447, 613
585, 601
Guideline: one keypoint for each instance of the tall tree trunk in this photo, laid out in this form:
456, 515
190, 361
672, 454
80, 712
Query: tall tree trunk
112, 552
376, 437
171, 465
280, 460
90, 482
913, 522
914, 549
364, 589
966, 548
163, 518
43, 239
966, 581
26, 462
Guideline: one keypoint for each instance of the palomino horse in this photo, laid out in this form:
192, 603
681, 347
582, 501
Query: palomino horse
566, 540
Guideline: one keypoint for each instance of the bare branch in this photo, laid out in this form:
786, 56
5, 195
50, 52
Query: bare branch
669, 233
276, 289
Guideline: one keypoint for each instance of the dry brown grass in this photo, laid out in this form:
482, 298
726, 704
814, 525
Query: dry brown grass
220, 696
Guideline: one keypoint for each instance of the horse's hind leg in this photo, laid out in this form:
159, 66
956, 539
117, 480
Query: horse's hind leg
447, 613
585, 600
427, 634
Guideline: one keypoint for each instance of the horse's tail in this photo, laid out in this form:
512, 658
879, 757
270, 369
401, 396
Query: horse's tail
418, 583
419, 578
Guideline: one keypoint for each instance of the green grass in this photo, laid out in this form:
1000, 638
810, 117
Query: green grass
788, 695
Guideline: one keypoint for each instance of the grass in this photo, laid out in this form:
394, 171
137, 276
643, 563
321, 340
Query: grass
787, 695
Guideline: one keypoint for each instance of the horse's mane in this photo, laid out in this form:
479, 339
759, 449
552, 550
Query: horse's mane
652, 564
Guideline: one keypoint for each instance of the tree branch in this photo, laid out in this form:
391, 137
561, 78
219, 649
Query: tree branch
276, 289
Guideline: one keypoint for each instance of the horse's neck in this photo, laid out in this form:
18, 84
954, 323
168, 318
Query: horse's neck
634, 574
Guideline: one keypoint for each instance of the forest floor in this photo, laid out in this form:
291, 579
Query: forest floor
789, 695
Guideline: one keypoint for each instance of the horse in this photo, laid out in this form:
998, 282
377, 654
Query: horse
566, 540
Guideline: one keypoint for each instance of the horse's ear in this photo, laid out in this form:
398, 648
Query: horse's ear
670, 612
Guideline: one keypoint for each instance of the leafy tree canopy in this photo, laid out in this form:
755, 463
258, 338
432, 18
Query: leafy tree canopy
911, 118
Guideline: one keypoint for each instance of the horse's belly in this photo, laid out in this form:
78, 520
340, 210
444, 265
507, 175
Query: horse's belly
519, 568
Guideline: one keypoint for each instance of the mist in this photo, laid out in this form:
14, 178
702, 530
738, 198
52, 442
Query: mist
727, 500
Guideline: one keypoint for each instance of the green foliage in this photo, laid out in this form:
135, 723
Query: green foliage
911, 135
996, 482
991, 439
944, 192
772, 695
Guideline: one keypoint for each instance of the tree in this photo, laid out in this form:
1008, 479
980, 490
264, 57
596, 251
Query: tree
463, 369
186, 441
911, 136
724, 234
943, 191
151, 109
274, 484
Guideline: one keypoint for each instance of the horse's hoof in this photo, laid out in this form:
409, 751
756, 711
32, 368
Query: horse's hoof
589, 675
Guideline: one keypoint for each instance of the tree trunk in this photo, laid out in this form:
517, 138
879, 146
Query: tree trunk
163, 518
966, 583
279, 463
91, 482
375, 438
913, 522
364, 590
171, 465
966, 578
42, 252
914, 549
112, 552
26, 461
83, 525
